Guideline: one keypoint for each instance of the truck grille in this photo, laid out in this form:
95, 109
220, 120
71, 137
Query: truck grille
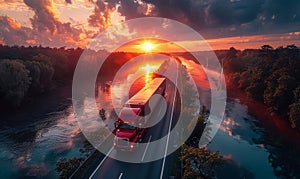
123, 142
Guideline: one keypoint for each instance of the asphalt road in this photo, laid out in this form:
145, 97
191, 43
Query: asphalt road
114, 169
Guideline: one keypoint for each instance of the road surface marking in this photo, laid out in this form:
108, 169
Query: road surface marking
101, 163
121, 174
146, 148
165, 155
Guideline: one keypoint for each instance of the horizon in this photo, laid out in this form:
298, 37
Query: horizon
56, 23
79, 96
221, 49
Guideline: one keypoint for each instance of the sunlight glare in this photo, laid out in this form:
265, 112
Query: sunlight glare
147, 46
149, 69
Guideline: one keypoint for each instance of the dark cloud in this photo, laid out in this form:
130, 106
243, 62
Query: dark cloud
212, 18
132, 9
282, 12
45, 20
224, 12
219, 18
45, 17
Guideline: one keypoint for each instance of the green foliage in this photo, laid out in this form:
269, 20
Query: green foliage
34, 73
102, 114
45, 68
294, 114
296, 93
199, 162
266, 47
87, 148
279, 93
41, 73
199, 128
14, 82
268, 75
20, 79
67, 167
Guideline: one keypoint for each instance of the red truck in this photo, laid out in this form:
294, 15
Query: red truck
130, 126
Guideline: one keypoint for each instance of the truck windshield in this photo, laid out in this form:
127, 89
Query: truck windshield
126, 126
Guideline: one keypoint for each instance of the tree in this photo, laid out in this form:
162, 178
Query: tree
292, 47
34, 74
14, 82
67, 167
294, 114
279, 92
267, 47
296, 93
102, 114
87, 148
232, 52
199, 128
199, 162
267, 51
46, 71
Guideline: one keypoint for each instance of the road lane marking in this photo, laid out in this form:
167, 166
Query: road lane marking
121, 174
169, 130
146, 148
101, 163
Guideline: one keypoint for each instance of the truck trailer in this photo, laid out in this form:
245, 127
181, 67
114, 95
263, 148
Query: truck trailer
130, 127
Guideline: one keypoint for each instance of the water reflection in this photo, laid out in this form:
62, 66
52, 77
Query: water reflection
237, 136
31, 148
149, 69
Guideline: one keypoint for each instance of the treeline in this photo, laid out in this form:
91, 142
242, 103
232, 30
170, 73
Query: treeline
269, 75
27, 72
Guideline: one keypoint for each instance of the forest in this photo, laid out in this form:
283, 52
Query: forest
268, 75
29, 72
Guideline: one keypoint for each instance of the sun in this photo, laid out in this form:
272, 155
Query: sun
147, 46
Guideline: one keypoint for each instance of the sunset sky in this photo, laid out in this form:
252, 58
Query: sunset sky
223, 23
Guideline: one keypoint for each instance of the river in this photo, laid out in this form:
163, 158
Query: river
33, 139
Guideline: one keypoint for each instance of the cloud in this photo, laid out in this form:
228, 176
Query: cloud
132, 9
46, 28
102, 13
12, 33
212, 18
9, 1
101, 17
221, 18
45, 17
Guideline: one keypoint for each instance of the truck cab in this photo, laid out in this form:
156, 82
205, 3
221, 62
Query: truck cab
131, 124
129, 129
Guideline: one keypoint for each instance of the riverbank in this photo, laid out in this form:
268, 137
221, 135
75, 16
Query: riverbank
57, 99
36, 136
260, 111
